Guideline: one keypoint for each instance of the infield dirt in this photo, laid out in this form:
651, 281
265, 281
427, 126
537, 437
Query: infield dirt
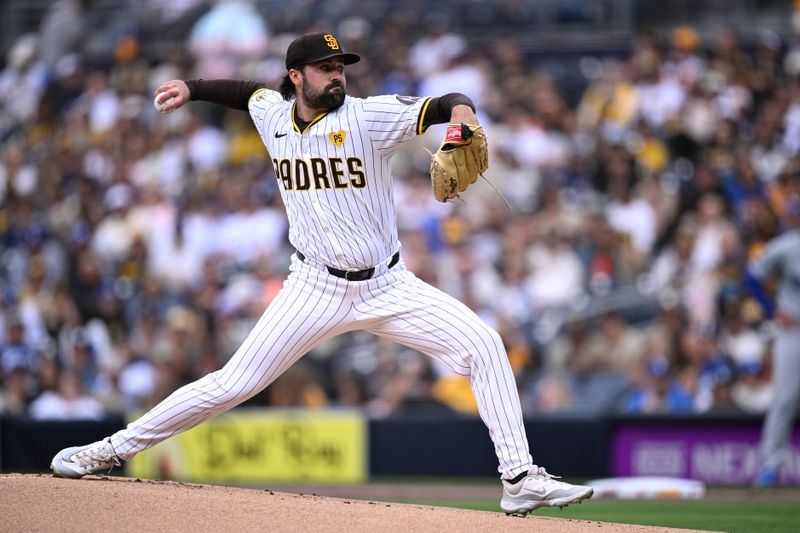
40, 502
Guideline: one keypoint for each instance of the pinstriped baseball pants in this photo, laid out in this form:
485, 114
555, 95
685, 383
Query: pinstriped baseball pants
314, 306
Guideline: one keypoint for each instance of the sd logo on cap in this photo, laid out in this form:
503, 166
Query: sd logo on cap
313, 47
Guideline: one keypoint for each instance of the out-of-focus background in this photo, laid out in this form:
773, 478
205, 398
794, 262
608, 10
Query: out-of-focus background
647, 148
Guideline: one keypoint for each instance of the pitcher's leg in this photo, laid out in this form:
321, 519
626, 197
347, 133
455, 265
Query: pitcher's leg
309, 309
407, 310
417, 315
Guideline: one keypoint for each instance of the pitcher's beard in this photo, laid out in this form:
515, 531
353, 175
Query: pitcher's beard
329, 98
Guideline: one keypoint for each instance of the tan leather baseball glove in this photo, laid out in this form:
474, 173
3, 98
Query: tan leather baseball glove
462, 157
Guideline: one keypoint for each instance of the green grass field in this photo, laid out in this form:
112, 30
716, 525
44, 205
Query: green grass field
734, 517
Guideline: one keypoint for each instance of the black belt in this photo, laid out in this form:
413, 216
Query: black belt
354, 275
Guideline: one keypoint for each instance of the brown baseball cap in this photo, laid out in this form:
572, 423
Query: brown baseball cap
313, 47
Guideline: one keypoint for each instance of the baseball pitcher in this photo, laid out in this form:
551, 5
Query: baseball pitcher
332, 159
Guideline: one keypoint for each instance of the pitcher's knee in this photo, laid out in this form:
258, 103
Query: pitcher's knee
494, 340
490, 344
225, 393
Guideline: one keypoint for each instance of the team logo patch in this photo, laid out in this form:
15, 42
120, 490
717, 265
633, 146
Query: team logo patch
337, 137
331, 41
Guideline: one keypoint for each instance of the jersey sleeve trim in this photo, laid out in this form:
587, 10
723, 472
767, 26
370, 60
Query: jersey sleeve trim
421, 118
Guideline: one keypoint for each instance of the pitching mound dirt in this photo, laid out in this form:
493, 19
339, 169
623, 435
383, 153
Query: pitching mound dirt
40, 502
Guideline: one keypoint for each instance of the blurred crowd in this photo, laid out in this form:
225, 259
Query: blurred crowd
139, 249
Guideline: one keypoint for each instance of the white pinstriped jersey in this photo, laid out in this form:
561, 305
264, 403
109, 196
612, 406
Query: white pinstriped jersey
335, 177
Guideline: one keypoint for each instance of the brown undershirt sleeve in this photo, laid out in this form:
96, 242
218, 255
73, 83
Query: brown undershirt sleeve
229, 93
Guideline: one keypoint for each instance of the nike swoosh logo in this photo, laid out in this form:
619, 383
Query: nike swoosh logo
279, 135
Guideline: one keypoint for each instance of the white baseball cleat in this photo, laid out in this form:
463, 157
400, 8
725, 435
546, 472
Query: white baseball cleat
540, 489
79, 461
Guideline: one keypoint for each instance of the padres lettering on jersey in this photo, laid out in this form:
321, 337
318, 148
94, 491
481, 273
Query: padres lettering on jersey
316, 173
335, 177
